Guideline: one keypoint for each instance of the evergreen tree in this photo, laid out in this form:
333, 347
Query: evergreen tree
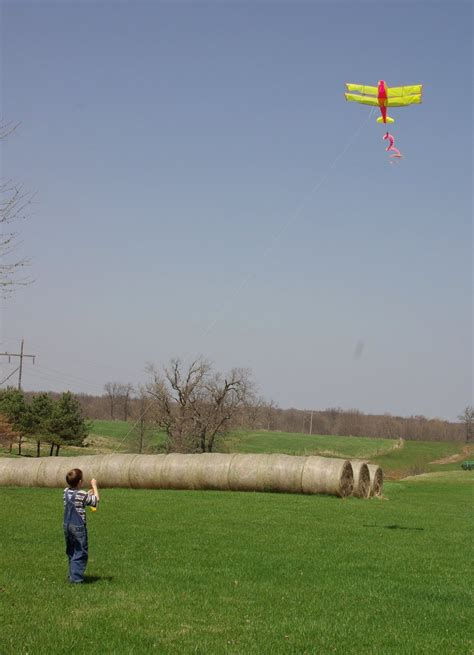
67, 425
38, 419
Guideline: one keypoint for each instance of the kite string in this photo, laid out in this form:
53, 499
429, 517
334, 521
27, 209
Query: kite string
270, 246
294, 216
134, 425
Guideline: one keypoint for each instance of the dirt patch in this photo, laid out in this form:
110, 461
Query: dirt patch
467, 451
394, 475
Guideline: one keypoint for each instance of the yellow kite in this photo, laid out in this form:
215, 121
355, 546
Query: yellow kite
384, 96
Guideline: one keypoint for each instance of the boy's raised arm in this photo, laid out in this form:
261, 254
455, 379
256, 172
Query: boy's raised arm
95, 488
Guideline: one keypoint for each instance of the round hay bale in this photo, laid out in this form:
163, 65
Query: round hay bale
90, 467
145, 471
32, 476
327, 475
178, 471
19, 472
361, 479
4, 471
246, 472
52, 471
237, 472
283, 473
114, 470
211, 471
376, 479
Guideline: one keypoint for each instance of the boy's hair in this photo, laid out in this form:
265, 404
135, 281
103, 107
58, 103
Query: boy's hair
74, 477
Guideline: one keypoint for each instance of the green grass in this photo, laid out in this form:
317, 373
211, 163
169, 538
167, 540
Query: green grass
114, 429
304, 444
416, 457
121, 435
242, 573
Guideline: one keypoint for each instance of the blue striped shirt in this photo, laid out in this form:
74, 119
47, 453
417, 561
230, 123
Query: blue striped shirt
82, 500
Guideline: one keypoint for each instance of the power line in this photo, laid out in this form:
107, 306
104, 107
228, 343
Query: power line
9, 376
22, 356
48, 377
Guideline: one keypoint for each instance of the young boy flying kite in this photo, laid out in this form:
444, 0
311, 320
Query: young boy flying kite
75, 529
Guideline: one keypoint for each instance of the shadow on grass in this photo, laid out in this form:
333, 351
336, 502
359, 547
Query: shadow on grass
392, 527
90, 579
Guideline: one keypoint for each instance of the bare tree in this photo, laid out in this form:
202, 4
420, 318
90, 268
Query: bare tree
196, 405
467, 417
251, 414
119, 396
112, 391
14, 201
125, 392
270, 410
145, 423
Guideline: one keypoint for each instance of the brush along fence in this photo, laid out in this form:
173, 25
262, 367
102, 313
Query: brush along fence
284, 473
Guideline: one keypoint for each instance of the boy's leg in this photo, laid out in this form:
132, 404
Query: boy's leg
69, 546
80, 554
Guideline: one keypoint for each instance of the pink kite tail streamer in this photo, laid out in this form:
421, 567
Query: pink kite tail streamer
390, 139
391, 148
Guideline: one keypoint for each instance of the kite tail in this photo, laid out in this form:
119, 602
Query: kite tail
391, 147
391, 140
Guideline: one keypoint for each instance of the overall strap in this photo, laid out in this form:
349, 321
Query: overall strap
71, 500
70, 508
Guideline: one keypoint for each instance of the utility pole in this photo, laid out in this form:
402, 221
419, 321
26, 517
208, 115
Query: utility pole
21, 355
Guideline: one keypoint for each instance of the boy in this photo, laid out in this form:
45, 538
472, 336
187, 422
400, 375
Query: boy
75, 529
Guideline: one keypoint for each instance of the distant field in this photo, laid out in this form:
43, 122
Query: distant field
114, 429
121, 436
214, 573
303, 444
416, 457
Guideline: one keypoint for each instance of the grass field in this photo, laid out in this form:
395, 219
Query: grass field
304, 444
243, 573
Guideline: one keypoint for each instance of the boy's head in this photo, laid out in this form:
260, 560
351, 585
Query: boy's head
74, 477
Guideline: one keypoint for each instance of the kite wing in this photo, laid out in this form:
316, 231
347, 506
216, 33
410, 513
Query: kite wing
364, 100
402, 91
365, 90
403, 101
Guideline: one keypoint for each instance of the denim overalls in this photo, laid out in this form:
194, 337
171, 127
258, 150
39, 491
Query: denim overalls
75, 533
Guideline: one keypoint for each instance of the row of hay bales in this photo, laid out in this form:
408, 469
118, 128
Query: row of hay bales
231, 472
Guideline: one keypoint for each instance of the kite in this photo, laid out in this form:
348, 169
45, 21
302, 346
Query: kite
384, 96
391, 147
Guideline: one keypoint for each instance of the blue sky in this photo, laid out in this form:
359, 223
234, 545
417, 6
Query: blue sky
202, 187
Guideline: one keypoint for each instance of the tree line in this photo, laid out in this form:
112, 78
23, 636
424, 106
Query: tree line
55, 422
196, 407
180, 390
